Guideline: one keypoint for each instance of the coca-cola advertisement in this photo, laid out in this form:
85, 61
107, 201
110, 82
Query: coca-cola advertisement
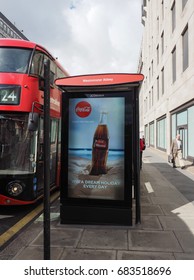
96, 148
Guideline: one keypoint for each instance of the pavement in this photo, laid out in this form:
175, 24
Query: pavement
166, 231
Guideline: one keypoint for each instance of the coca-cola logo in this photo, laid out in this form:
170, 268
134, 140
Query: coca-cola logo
83, 109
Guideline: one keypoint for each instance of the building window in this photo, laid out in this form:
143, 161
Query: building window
185, 45
183, 123
182, 129
162, 71
173, 130
184, 2
190, 131
162, 42
174, 65
151, 126
149, 99
182, 118
149, 74
8, 31
173, 11
157, 53
146, 133
158, 24
162, 4
158, 88
161, 133
152, 97
5, 27
146, 104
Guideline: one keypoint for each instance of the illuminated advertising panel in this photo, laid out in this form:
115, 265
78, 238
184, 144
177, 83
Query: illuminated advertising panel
96, 148
95, 164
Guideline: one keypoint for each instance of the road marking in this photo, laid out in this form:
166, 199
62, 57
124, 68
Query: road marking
149, 187
5, 216
24, 221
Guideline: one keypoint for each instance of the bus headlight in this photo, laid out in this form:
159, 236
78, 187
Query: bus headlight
15, 188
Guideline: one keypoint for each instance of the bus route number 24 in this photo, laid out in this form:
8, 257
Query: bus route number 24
7, 97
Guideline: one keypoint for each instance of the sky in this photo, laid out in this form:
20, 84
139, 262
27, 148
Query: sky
87, 36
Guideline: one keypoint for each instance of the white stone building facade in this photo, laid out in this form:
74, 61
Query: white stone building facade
167, 62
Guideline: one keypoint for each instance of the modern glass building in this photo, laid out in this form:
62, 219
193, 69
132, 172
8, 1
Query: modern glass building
167, 62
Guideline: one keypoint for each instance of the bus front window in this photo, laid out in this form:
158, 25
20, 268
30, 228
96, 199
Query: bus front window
17, 145
14, 59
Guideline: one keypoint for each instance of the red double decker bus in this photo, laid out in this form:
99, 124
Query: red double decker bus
21, 121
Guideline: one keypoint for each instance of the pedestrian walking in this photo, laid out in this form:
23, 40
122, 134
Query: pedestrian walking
176, 152
143, 139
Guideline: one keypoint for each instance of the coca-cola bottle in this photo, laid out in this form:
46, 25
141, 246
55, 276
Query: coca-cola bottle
100, 147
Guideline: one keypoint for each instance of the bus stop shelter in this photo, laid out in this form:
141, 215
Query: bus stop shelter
100, 167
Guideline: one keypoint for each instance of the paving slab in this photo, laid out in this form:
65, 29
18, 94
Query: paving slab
163, 241
171, 208
135, 255
186, 240
145, 200
184, 256
87, 254
177, 222
37, 253
149, 223
151, 210
164, 193
68, 237
168, 199
104, 239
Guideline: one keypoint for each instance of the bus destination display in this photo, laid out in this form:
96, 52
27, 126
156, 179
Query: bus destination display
10, 95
